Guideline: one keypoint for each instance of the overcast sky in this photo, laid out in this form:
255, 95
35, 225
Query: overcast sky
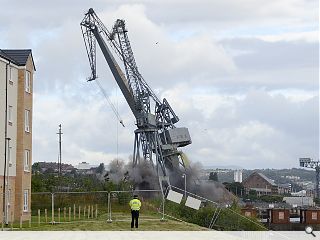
241, 75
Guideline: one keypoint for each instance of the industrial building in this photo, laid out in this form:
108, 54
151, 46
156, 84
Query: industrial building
261, 184
264, 185
16, 91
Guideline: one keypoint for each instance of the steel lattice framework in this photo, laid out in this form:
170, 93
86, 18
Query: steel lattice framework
156, 135
310, 163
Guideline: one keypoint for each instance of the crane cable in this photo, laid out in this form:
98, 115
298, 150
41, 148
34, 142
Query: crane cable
110, 103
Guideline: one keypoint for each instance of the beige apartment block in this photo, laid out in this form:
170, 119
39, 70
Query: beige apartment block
16, 91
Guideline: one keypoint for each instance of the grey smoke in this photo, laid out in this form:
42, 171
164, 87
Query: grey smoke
144, 176
117, 170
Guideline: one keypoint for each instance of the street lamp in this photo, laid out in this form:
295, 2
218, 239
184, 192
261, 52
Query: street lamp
185, 185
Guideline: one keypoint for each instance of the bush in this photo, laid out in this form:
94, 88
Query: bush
229, 219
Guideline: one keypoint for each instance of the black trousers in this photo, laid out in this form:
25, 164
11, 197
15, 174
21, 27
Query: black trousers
134, 218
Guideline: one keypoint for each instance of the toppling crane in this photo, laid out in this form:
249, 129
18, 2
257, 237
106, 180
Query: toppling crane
156, 135
310, 163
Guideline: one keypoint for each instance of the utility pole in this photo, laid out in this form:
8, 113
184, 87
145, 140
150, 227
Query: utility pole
59, 158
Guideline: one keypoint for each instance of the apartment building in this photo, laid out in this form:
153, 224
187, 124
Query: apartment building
16, 84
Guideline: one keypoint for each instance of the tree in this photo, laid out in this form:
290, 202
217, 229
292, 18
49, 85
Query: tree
36, 168
213, 176
100, 169
235, 187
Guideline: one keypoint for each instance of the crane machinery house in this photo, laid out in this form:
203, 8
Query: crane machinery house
16, 84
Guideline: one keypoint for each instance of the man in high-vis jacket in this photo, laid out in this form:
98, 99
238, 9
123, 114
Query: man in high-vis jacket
135, 206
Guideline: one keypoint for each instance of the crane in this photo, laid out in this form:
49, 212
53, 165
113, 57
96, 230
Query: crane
156, 136
310, 163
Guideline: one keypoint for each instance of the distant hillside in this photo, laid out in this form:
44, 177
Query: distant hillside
278, 175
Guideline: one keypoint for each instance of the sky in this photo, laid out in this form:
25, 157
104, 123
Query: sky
243, 77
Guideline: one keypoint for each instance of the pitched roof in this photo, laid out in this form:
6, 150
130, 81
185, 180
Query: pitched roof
261, 175
18, 56
267, 179
3, 55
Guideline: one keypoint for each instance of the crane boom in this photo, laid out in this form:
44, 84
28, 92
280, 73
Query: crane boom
156, 135
89, 30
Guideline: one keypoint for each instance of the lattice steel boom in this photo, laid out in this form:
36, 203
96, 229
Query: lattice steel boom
156, 135
310, 163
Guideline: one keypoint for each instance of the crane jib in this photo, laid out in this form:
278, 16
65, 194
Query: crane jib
157, 137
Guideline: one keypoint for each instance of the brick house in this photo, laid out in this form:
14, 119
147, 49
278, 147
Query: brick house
261, 184
16, 94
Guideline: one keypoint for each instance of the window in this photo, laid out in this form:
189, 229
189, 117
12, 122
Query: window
28, 82
314, 216
25, 200
281, 215
247, 214
27, 160
10, 75
10, 112
9, 156
27, 120
9, 197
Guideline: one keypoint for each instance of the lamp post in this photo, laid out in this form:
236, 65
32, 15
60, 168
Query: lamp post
185, 185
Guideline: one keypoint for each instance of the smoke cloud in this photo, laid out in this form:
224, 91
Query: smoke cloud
144, 176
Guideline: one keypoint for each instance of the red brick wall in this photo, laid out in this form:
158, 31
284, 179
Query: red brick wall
280, 216
313, 216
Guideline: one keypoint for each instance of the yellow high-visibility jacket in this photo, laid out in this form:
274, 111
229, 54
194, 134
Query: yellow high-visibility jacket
135, 204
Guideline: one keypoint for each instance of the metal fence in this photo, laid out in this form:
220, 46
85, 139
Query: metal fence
102, 206
111, 206
47, 208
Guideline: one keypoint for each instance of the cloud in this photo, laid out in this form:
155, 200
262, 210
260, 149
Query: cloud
242, 76
256, 129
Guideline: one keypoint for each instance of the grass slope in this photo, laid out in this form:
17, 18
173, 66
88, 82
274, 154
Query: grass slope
121, 222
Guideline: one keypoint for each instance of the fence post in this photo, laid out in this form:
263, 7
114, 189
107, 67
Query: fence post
46, 215
89, 211
84, 211
92, 211
69, 214
64, 214
109, 208
59, 215
52, 208
74, 212
39, 217
79, 212
96, 210
162, 219
21, 220
12, 220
